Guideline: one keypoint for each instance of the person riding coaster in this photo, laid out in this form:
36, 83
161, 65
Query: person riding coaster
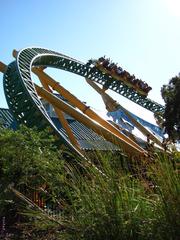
107, 66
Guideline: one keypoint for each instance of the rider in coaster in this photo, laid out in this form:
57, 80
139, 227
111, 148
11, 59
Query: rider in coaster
101, 59
114, 69
105, 63
119, 70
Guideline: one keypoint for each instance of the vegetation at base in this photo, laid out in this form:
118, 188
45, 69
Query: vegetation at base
171, 96
28, 160
114, 199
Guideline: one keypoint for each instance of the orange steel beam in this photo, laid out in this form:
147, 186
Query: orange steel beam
3, 67
61, 118
112, 105
67, 128
86, 110
44, 84
145, 131
109, 136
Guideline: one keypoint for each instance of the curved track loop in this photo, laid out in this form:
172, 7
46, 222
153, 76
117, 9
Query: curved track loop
44, 57
25, 104
24, 101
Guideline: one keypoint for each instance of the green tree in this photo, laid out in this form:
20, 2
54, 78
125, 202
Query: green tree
171, 96
29, 160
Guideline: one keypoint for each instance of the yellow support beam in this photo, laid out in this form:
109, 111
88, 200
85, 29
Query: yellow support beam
67, 128
3, 67
144, 130
81, 106
109, 136
112, 105
61, 118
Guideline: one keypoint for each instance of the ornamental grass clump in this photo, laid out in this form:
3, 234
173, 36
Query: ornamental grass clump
165, 175
109, 203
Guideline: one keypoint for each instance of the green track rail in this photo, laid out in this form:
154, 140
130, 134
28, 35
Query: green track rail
24, 102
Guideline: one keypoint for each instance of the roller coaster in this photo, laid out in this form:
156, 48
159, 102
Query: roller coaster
74, 124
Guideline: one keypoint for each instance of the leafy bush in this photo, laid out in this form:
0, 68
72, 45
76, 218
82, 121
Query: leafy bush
29, 161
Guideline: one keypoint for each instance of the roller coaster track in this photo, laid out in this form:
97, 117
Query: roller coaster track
24, 101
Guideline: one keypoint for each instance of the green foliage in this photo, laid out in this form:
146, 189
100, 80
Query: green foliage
28, 158
111, 204
107, 205
167, 188
29, 161
101, 201
171, 96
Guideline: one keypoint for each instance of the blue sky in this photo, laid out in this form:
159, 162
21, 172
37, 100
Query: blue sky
143, 36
